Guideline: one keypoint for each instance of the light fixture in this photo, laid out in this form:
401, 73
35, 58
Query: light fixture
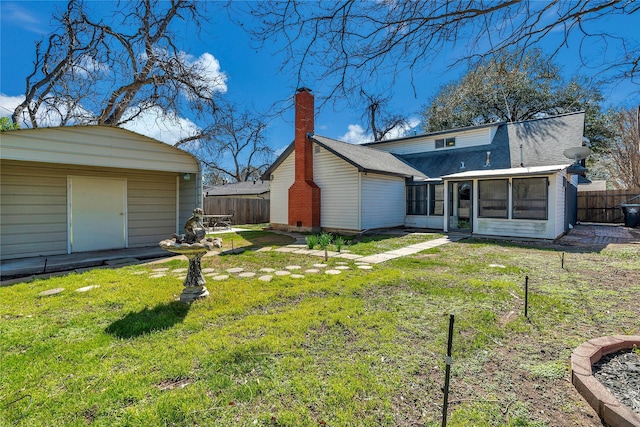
187, 176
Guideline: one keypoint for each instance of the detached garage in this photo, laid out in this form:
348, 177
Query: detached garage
87, 188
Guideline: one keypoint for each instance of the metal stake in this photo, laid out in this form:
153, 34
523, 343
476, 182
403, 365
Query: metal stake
526, 296
447, 373
562, 259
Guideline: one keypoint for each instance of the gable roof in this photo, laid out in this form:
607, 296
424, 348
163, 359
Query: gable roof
368, 159
95, 145
244, 188
543, 142
365, 159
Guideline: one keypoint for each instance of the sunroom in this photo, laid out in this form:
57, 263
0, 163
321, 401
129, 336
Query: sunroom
517, 202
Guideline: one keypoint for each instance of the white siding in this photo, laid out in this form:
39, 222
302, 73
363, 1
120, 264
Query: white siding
383, 201
339, 191
33, 206
281, 179
469, 138
423, 221
95, 146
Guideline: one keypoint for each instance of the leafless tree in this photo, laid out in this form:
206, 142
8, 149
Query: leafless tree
236, 145
380, 120
346, 43
621, 162
111, 70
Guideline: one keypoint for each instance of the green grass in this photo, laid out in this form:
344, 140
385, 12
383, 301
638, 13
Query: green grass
359, 349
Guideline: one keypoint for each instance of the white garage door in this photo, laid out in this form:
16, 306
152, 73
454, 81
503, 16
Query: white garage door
97, 213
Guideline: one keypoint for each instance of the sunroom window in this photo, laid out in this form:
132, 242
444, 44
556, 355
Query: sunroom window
416, 200
436, 199
530, 198
493, 198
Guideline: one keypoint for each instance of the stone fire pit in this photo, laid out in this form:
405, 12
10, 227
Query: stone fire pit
608, 407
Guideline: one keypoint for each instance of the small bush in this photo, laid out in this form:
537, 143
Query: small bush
324, 240
312, 240
339, 242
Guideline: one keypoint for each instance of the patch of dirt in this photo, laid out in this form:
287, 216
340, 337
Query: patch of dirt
171, 384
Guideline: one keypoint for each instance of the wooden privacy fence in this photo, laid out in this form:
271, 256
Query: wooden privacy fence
604, 206
247, 211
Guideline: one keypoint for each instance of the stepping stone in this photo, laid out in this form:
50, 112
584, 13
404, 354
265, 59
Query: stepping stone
161, 269
51, 292
365, 267
333, 272
362, 263
266, 278
286, 249
264, 249
208, 270
221, 277
343, 267
247, 274
138, 272
312, 270
268, 270
293, 267
87, 288
235, 270
157, 276
297, 276
179, 270
282, 273
341, 263
319, 265
182, 277
497, 265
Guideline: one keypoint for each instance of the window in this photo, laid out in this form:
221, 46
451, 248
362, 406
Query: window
530, 198
446, 142
436, 199
416, 200
493, 198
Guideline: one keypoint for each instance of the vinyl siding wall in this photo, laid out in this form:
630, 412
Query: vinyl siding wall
33, 206
383, 201
470, 138
339, 191
281, 179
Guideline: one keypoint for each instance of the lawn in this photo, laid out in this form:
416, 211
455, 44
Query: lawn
362, 348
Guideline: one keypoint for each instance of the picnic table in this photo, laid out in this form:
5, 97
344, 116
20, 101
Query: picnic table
222, 220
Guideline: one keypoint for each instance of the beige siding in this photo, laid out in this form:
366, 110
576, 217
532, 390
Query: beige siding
383, 201
33, 206
281, 179
339, 191
100, 146
470, 138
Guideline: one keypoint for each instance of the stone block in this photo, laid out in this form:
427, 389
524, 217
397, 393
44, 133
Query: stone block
620, 416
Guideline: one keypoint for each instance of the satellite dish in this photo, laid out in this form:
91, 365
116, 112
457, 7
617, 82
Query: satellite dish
577, 153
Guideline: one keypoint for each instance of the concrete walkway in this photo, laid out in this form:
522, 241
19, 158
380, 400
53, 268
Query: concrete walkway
300, 247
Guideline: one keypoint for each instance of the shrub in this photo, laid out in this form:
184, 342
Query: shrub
339, 242
312, 240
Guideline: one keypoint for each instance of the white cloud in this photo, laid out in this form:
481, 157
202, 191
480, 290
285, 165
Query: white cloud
8, 104
356, 135
161, 126
153, 122
216, 79
406, 130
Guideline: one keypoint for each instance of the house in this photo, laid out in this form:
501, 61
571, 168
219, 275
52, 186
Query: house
86, 188
239, 190
499, 179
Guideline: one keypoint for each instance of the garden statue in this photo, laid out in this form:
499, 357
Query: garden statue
193, 244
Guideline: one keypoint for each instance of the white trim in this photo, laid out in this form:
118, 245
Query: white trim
536, 170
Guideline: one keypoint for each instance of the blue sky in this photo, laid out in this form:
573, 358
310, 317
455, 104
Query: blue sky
253, 78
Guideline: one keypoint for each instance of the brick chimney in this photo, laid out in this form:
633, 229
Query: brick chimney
304, 194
